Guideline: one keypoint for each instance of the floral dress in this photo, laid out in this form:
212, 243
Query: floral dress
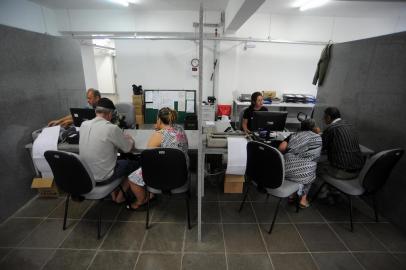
172, 137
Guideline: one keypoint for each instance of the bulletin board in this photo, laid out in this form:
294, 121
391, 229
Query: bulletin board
183, 101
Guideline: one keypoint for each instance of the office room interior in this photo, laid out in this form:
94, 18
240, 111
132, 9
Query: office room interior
52, 51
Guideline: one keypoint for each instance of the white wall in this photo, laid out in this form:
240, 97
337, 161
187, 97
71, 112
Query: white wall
166, 64
105, 73
130, 20
159, 65
89, 67
29, 16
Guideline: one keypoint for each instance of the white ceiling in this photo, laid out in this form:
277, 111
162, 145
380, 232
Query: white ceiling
344, 8
141, 4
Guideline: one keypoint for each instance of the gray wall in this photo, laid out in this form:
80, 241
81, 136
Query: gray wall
366, 80
41, 77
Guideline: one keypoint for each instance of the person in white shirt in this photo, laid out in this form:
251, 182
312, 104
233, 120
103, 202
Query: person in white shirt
99, 143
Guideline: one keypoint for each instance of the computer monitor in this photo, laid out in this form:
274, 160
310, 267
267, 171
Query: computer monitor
81, 114
272, 121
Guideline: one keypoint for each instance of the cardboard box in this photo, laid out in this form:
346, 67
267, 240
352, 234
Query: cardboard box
139, 119
138, 110
233, 183
46, 187
138, 99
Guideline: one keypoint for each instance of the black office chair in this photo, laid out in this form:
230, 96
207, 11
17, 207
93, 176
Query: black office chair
73, 176
266, 171
165, 171
372, 178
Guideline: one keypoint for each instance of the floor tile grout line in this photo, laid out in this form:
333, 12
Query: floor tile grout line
384, 245
141, 248
30, 233
183, 247
304, 242
63, 240
376, 238
342, 241
105, 236
43, 219
222, 231
15, 213
262, 237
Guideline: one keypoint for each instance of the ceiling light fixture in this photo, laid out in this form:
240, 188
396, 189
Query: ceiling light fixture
125, 2
308, 4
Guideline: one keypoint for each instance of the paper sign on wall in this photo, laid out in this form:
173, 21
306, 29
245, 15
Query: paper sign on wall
190, 95
190, 106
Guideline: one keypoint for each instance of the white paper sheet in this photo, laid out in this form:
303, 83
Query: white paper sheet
181, 95
149, 105
190, 95
148, 96
47, 140
190, 106
181, 105
237, 155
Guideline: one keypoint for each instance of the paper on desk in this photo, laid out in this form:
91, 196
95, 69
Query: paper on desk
237, 155
47, 140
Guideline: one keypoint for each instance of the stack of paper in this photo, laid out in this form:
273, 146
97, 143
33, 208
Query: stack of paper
237, 155
47, 140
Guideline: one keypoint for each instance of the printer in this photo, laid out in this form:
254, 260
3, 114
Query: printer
219, 139
245, 97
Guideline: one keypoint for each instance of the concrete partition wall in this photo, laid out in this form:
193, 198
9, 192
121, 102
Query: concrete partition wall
366, 80
41, 77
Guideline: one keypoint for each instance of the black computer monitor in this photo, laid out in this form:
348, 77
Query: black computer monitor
81, 114
273, 120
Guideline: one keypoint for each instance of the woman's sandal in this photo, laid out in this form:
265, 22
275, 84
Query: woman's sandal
303, 206
140, 208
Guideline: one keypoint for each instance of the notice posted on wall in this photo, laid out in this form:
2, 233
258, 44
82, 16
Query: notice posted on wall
190, 95
181, 105
190, 106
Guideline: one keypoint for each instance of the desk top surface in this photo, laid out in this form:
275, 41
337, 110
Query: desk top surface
281, 104
140, 136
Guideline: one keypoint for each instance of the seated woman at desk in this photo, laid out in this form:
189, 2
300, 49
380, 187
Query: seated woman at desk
257, 102
167, 135
301, 151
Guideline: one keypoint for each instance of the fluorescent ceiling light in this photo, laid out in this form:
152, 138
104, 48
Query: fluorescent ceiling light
120, 2
299, 3
125, 2
312, 4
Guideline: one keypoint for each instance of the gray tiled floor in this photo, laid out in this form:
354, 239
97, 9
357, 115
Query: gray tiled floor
314, 238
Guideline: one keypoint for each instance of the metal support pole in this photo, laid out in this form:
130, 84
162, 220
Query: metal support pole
200, 165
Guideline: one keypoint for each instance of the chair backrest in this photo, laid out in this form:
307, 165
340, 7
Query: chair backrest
265, 165
378, 168
164, 168
127, 109
70, 174
240, 118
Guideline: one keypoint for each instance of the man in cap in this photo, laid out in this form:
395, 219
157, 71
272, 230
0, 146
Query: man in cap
99, 142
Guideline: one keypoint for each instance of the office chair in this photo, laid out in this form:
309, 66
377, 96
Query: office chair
127, 109
165, 171
266, 171
372, 178
73, 176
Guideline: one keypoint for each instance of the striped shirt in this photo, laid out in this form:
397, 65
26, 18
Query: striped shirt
341, 143
301, 156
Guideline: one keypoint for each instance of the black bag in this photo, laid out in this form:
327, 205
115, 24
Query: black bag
71, 136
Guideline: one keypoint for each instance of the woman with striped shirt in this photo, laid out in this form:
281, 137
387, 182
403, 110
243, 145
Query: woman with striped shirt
301, 151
